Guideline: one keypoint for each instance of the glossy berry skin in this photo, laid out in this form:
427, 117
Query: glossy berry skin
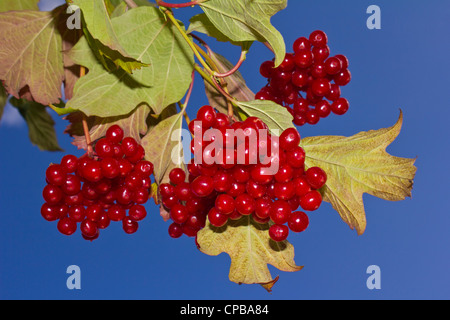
116, 212
88, 228
216, 218
311, 201
298, 221
207, 116
104, 148
52, 194
278, 232
137, 212
175, 230
92, 171
301, 43
129, 146
129, 225
318, 38
69, 163
303, 58
202, 186
55, 174
340, 106
280, 211
321, 87
225, 204
245, 204
67, 226
177, 175
114, 134
50, 212
179, 213
289, 139
316, 177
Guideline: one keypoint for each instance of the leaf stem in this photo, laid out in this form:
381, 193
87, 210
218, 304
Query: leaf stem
188, 40
178, 5
235, 68
214, 83
131, 3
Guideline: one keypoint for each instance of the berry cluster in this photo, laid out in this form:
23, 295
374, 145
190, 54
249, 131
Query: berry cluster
240, 169
111, 186
308, 81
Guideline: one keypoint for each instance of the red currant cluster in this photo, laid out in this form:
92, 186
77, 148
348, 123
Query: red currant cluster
112, 186
264, 178
303, 83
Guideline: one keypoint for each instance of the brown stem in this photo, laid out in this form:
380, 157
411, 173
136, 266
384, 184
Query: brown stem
234, 69
131, 3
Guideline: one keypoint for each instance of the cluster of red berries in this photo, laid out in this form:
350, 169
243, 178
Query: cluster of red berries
303, 83
240, 169
113, 185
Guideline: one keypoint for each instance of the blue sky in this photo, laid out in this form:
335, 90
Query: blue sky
404, 65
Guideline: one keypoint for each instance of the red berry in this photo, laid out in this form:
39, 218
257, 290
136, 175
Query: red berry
66, 226
301, 186
72, 185
179, 213
340, 106
333, 65
116, 212
177, 175
77, 213
207, 115
316, 177
296, 157
52, 194
216, 218
110, 167
69, 163
298, 221
129, 146
92, 171
129, 226
225, 204
266, 69
202, 186
311, 201
303, 58
88, 228
114, 134
104, 148
245, 204
145, 167
137, 212
323, 108
320, 87
301, 43
175, 230
55, 174
318, 38
50, 212
263, 207
280, 211
320, 53
343, 77
278, 232
289, 139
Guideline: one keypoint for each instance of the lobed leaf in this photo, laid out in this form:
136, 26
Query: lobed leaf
360, 164
146, 35
97, 19
248, 20
250, 248
30, 51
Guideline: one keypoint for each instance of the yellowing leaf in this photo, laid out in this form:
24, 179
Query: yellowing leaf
250, 248
30, 52
360, 164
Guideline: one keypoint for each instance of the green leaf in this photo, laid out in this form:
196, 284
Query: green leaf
201, 23
250, 248
248, 20
31, 54
40, 124
10, 5
163, 146
275, 116
146, 35
98, 22
360, 164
